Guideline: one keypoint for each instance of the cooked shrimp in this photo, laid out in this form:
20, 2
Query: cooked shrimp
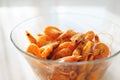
64, 49
43, 40
90, 35
87, 48
70, 45
59, 77
102, 51
81, 76
66, 35
69, 59
77, 37
73, 75
78, 49
97, 38
30, 37
34, 49
52, 31
62, 53
48, 49
95, 75
77, 52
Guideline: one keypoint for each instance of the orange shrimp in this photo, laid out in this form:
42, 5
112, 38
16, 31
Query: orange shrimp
102, 50
59, 77
48, 49
95, 75
30, 37
70, 45
62, 53
34, 49
73, 75
52, 31
81, 76
87, 48
97, 38
77, 37
90, 35
64, 49
77, 52
78, 49
43, 40
69, 59
66, 35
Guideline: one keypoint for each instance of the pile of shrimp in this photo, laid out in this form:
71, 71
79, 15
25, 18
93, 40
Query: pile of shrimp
69, 46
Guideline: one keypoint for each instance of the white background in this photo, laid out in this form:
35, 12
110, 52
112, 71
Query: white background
12, 65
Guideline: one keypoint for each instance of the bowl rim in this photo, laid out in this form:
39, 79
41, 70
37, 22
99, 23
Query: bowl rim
55, 62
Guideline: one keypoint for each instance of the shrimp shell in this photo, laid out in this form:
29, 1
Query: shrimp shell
69, 59
34, 49
30, 37
66, 35
90, 35
43, 40
52, 31
102, 50
48, 49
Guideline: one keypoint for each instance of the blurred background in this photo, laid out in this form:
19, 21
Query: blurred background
12, 65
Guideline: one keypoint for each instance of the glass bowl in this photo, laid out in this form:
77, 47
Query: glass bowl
50, 70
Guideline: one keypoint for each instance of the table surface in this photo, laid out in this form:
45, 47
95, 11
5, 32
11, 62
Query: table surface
13, 66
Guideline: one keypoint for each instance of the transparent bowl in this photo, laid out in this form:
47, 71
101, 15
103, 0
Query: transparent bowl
50, 70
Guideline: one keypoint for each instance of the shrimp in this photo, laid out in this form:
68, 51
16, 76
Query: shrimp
52, 31
77, 37
59, 77
73, 75
97, 38
64, 49
87, 48
95, 75
34, 49
90, 35
76, 52
81, 76
100, 50
30, 37
43, 40
69, 59
62, 53
70, 45
48, 49
66, 35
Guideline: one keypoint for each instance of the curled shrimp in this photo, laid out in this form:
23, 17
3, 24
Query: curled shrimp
95, 74
62, 53
59, 77
70, 45
77, 37
34, 49
30, 37
87, 48
43, 40
90, 35
64, 49
73, 75
100, 50
69, 59
47, 49
52, 31
78, 50
97, 38
81, 76
66, 35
